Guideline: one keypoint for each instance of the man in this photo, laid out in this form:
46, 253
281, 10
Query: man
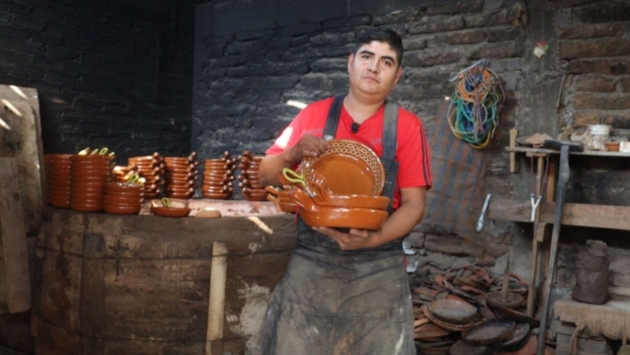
346, 292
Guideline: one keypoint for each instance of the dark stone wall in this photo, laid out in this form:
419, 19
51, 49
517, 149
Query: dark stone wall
109, 73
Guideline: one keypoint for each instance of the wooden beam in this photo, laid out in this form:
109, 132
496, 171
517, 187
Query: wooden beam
573, 214
216, 302
15, 281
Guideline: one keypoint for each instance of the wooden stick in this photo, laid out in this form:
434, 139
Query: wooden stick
216, 301
513, 162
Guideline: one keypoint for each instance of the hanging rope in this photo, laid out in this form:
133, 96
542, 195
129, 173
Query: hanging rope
475, 104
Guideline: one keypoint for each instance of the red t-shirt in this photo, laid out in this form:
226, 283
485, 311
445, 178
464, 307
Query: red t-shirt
412, 152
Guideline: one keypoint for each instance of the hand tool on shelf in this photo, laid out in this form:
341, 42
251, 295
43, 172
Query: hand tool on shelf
563, 177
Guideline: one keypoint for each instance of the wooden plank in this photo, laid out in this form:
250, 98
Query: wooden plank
13, 246
20, 138
594, 153
216, 306
573, 214
514, 166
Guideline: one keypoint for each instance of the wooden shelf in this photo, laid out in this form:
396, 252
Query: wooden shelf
537, 151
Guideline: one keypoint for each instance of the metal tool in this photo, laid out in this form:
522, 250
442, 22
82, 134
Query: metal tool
535, 204
563, 177
483, 212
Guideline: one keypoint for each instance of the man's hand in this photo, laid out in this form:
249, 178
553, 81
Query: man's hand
354, 239
308, 146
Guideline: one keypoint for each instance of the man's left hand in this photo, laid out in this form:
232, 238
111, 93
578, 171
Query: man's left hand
354, 239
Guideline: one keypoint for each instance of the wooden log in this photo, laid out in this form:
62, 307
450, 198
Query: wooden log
216, 308
573, 214
14, 265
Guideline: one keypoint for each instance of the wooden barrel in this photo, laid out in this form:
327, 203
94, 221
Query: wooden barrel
140, 284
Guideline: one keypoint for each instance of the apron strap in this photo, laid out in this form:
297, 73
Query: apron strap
333, 118
389, 142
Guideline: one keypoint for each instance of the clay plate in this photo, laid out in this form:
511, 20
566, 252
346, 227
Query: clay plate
170, 211
490, 331
452, 311
350, 168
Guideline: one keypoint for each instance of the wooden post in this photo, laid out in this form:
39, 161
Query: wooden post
513, 162
216, 301
15, 280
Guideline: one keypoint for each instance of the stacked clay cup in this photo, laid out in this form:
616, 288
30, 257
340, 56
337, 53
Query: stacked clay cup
123, 197
88, 174
250, 184
57, 167
181, 176
217, 177
152, 169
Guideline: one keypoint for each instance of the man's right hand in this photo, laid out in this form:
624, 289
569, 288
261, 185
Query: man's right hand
308, 146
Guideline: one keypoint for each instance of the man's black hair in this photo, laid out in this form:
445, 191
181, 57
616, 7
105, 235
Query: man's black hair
384, 35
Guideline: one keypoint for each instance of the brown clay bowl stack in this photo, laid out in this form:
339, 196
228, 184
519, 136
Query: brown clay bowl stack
88, 174
217, 177
250, 184
152, 169
122, 198
57, 167
181, 176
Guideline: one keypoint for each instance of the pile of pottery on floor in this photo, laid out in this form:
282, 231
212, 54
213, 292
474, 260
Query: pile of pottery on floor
453, 315
152, 169
89, 171
181, 176
217, 177
57, 168
123, 197
251, 187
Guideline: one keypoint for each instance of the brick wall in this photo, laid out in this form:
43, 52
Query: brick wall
245, 79
594, 47
108, 73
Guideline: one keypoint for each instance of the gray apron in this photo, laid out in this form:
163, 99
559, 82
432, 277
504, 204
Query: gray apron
336, 302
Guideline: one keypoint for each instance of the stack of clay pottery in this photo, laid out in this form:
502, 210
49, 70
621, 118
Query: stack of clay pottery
152, 169
217, 177
123, 197
181, 176
250, 185
591, 273
88, 174
57, 167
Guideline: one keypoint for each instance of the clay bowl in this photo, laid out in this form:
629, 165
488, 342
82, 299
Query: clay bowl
179, 195
87, 185
177, 160
499, 299
217, 181
449, 326
518, 317
283, 205
60, 203
180, 190
122, 209
90, 158
170, 211
216, 165
180, 182
463, 348
433, 347
122, 200
124, 187
490, 331
181, 175
226, 190
518, 340
218, 176
181, 169
337, 217
452, 311
216, 196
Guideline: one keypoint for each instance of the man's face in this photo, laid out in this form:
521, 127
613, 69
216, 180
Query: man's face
374, 70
